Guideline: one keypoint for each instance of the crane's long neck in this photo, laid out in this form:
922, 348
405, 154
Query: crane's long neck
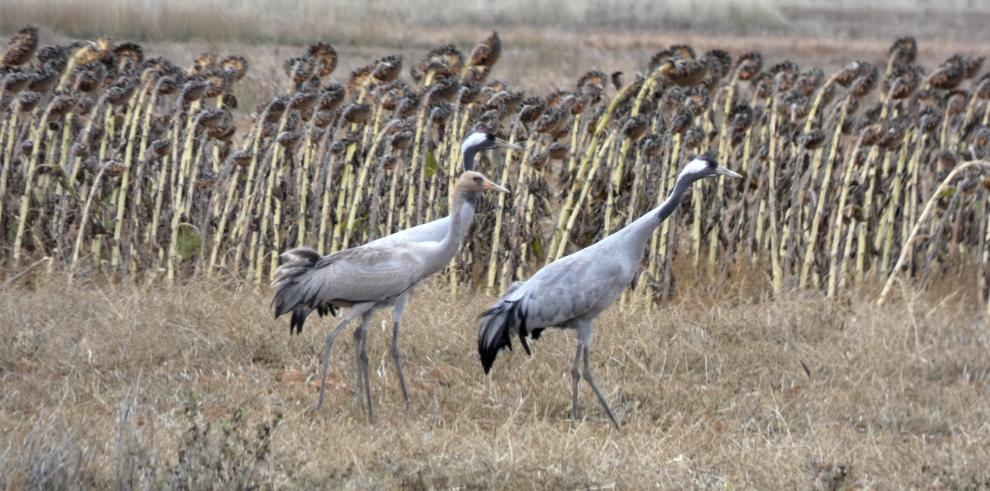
467, 158
459, 222
640, 230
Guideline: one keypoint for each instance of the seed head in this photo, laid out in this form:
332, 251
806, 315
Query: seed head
100, 50
469, 93
552, 120
56, 57
228, 101
718, 63
21, 48
299, 68
357, 113
193, 90
871, 135
693, 138
128, 54
235, 66
331, 97
43, 80
387, 69
325, 57
113, 168
440, 112
903, 81
749, 65
289, 139
26, 101
635, 127
84, 105
532, 108
558, 151
402, 140
811, 140
929, 119
241, 158
59, 106
15, 82
903, 51
359, 78
443, 61
407, 106
684, 72
973, 65
487, 52
983, 87
203, 63
322, 119
864, 84
740, 117
158, 148
652, 145
956, 102
167, 85
763, 85
681, 120
302, 101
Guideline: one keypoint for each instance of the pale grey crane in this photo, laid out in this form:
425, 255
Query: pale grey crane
369, 277
571, 291
478, 140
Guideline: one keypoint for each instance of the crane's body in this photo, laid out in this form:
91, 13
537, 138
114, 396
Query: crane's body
570, 292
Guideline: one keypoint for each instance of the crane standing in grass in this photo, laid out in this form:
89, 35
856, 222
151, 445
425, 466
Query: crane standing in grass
570, 292
369, 277
478, 140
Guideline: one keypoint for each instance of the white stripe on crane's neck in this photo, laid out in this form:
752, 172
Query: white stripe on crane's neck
473, 140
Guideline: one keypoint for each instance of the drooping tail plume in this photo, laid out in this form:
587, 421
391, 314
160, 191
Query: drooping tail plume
498, 324
292, 294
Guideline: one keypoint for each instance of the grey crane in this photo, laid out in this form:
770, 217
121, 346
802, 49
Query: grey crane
478, 140
368, 278
571, 291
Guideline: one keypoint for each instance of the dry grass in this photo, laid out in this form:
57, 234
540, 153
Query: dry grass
712, 392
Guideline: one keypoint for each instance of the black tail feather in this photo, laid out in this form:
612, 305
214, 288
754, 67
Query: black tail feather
289, 297
497, 326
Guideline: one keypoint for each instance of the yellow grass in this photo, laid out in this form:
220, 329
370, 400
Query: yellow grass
712, 391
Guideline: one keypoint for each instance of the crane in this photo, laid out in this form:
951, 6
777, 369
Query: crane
478, 140
571, 291
369, 277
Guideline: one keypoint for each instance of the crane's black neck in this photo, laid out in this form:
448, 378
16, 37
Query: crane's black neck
468, 158
676, 196
642, 229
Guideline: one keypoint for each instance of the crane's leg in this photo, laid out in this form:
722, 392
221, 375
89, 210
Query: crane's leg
397, 310
584, 338
328, 344
575, 380
361, 347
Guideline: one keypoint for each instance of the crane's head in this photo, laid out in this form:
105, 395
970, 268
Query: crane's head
474, 182
704, 166
482, 139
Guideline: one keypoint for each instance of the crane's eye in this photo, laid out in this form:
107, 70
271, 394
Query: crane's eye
478, 180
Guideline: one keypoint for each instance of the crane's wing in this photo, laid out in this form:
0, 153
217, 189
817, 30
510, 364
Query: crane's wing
308, 281
569, 288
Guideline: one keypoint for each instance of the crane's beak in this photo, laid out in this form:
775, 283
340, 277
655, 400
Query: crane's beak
500, 143
491, 186
726, 172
